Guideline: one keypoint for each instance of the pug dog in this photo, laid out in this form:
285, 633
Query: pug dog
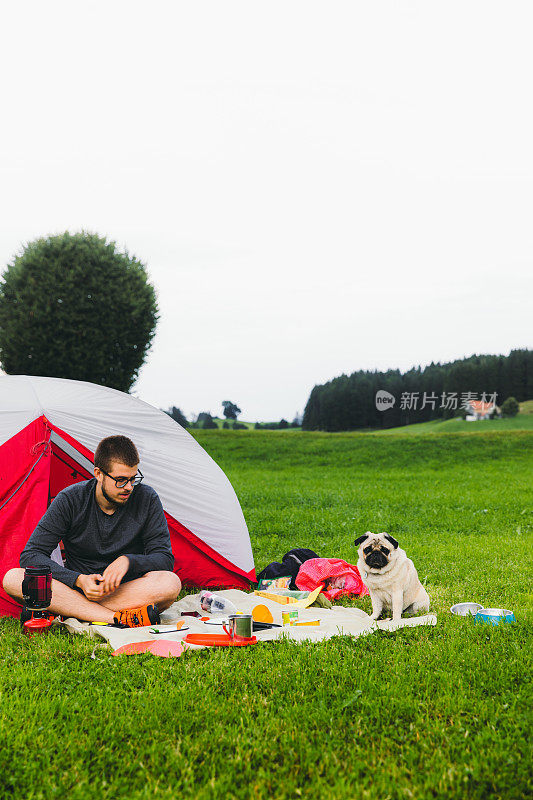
390, 576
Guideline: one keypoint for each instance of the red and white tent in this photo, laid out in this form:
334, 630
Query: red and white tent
49, 429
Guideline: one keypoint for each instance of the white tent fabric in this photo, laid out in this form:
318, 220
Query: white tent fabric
192, 487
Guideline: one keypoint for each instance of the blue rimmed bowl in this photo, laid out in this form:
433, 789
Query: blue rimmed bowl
466, 609
494, 615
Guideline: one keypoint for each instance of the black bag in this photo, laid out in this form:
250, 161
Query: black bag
290, 565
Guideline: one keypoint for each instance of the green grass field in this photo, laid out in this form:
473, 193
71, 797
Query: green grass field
522, 422
421, 713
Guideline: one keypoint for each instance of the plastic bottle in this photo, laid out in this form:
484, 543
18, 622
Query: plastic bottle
215, 604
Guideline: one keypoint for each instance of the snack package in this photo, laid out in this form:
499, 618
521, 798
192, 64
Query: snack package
275, 583
290, 617
285, 596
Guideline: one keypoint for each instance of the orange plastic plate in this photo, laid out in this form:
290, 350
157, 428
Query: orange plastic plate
210, 640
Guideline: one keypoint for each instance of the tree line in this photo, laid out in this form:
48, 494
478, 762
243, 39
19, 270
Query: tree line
439, 391
204, 420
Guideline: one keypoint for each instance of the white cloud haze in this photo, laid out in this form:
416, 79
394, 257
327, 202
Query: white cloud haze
315, 188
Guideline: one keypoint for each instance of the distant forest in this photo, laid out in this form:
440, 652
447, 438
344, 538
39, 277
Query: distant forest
439, 391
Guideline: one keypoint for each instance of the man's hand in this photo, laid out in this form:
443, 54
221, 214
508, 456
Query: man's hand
91, 586
114, 573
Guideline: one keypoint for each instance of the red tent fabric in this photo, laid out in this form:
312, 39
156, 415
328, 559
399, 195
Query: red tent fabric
24, 486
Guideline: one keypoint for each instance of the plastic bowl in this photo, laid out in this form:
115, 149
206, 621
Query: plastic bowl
464, 609
495, 615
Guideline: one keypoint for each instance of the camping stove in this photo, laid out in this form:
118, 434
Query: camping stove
37, 596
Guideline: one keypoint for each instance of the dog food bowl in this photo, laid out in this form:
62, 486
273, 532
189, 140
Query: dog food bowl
494, 615
464, 609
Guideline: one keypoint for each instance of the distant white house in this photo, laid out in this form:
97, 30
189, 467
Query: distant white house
477, 409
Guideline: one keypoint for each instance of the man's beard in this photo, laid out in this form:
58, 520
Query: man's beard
115, 503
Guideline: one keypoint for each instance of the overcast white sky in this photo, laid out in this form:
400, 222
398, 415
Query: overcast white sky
315, 188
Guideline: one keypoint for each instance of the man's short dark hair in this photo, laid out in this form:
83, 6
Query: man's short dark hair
115, 448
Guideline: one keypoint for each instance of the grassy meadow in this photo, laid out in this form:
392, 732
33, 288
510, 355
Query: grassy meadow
420, 713
522, 422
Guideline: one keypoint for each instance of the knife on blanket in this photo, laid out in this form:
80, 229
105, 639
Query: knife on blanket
264, 626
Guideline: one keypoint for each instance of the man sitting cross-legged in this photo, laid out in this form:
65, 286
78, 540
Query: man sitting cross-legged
118, 558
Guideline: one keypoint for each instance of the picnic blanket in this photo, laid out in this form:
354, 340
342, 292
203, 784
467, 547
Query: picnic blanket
333, 622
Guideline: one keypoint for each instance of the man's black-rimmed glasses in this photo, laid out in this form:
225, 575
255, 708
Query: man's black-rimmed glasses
121, 482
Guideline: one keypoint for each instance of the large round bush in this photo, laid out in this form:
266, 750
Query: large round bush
73, 306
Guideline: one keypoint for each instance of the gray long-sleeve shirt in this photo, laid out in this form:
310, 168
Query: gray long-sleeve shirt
93, 539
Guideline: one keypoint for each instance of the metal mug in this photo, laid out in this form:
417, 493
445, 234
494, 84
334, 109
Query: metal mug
239, 626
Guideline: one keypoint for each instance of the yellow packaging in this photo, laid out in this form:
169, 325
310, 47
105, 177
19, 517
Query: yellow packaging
282, 599
285, 600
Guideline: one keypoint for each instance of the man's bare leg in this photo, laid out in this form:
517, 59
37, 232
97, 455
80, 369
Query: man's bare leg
159, 587
155, 587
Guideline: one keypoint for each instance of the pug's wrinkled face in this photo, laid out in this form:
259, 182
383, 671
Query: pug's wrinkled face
376, 549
